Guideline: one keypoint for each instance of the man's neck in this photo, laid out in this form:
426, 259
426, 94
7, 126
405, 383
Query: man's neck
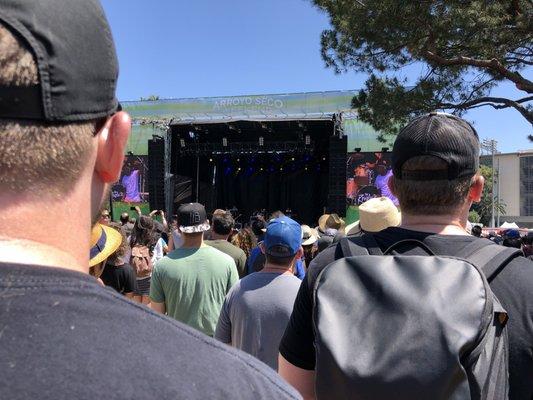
52, 240
192, 242
216, 236
440, 224
279, 269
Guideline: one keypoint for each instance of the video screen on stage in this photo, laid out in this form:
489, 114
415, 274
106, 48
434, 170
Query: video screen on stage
367, 175
132, 187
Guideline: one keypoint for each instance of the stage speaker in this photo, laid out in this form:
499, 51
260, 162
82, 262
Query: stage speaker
156, 173
337, 174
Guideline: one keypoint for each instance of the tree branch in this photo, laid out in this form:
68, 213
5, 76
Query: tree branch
497, 103
495, 65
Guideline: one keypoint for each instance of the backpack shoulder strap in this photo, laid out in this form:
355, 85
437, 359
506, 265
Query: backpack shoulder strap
488, 256
357, 246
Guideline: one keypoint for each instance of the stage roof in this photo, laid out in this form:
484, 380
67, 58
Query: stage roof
313, 105
153, 117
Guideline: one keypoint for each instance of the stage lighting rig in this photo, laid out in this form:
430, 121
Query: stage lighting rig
225, 142
307, 140
261, 141
191, 134
182, 143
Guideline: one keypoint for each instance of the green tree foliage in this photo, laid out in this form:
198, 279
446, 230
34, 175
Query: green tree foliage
152, 97
484, 207
462, 48
474, 217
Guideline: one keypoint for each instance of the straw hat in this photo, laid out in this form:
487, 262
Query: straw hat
375, 215
331, 221
309, 235
104, 242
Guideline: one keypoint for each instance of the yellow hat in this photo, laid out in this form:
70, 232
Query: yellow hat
104, 242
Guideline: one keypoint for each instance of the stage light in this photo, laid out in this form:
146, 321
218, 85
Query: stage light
292, 159
210, 160
191, 134
238, 169
182, 142
225, 142
323, 158
261, 141
307, 140
305, 168
261, 168
281, 168
238, 159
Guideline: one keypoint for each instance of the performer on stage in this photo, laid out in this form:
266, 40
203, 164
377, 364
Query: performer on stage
130, 181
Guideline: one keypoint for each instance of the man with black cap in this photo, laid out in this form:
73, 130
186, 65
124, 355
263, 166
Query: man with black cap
435, 161
258, 307
62, 140
190, 283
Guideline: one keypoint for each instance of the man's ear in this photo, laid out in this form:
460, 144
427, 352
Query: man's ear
112, 140
476, 189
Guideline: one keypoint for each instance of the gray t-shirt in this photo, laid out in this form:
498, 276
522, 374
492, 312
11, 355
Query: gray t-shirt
255, 313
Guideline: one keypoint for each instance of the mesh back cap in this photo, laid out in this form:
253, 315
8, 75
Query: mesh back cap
441, 135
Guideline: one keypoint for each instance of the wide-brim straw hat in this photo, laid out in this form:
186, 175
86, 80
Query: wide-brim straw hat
375, 215
309, 235
104, 242
332, 221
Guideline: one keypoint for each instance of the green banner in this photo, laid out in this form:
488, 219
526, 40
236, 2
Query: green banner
151, 117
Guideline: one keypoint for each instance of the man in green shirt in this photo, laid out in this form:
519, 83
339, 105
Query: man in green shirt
190, 283
223, 224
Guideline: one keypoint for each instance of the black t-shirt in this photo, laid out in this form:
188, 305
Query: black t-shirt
121, 278
64, 336
513, 286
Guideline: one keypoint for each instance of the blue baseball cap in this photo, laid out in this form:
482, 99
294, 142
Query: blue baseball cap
283, 237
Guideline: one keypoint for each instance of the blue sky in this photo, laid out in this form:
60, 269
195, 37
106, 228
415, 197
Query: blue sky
202, 48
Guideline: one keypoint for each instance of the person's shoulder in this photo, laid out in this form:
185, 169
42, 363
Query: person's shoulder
202, 352
219, 255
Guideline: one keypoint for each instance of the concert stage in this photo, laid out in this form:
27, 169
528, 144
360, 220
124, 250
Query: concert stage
289, 165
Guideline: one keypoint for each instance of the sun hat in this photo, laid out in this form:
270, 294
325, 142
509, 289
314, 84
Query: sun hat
440, 135
330, 221
76, 59
283, 237
309, 235
192, 218
375, 215
104, 241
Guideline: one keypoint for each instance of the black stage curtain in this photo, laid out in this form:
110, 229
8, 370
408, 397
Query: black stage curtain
304, 192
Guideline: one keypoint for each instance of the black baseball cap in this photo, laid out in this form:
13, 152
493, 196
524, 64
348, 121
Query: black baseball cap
76, 60
192, 218
441, 135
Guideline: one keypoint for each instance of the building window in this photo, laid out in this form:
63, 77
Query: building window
526, 186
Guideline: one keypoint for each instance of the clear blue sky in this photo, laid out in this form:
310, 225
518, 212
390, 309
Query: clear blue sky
222, 48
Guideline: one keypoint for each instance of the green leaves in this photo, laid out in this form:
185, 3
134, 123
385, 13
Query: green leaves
463, 49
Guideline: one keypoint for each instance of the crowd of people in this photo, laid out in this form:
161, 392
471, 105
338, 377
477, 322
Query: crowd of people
396, 305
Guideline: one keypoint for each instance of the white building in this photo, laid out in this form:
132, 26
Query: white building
514, 186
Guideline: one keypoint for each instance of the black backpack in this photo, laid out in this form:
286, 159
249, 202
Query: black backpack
410, 326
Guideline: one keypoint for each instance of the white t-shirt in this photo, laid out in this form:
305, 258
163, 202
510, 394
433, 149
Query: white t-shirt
158, 251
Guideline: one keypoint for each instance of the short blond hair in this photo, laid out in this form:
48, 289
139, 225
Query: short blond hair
37, 156
439, 197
